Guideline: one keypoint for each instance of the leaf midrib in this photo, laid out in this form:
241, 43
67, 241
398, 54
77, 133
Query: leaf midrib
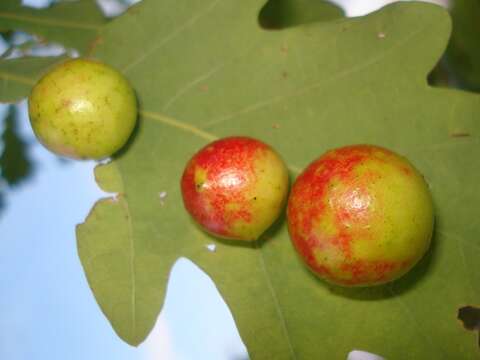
17, 78
402, 305
133, 299
276, 302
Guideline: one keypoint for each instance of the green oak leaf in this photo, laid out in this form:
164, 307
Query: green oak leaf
204, 70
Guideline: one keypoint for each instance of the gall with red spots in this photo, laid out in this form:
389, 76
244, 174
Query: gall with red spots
360, 215
235, 187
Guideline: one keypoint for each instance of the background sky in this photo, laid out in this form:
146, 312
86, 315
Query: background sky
47, 310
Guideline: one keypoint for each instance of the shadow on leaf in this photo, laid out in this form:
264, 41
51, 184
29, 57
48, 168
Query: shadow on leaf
131, 140
396, 288
273, 230
227, 242
269, 234
281, 14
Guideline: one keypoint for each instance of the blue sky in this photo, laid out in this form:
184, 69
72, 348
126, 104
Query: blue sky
47, 310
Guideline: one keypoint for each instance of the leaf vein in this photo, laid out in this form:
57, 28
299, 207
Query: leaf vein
179, 125
276, 303
190, 85
17, 78
170, 36
95, 257
193, 130
133, 302
459, 242
407, 311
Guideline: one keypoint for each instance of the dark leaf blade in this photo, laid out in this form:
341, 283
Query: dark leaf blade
280, 14
15, 164
463, 52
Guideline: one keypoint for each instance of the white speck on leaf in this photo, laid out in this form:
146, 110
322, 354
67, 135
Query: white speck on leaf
162, 195
363, 355
105, 161
211, 247
381, 35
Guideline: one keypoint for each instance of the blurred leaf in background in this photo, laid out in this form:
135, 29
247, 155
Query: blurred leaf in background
280, 14
15, 164
79, 21
464, 48
460, 65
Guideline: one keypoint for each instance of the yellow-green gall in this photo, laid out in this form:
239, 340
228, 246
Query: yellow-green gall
83, 109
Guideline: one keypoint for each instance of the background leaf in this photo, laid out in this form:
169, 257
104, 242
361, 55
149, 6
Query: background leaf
303, 90
74, 24
279, 14
71, 23
17, 76
463, 52
15, 164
